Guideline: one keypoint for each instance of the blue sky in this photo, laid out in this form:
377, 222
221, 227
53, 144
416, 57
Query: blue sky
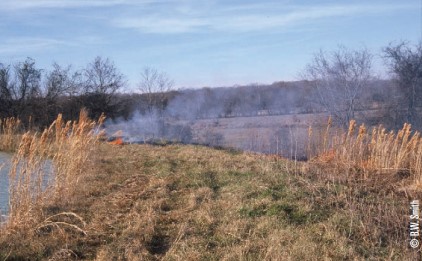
201, 43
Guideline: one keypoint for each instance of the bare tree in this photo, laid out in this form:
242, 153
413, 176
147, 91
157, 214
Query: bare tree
28, 80
5, 91
405, 64
62, 86
62, 82
340, 77
27, 87
103, 81
103, 77
6, 98
154, 85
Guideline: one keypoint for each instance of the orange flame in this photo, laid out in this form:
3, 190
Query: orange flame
118, 138
117, 141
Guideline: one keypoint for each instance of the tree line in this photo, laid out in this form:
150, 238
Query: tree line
33, 94
343, 77
340, 82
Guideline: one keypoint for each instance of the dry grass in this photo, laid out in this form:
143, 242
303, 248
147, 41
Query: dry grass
46, 167
375, 174
176, 202
143, 202
10, 130
376, 152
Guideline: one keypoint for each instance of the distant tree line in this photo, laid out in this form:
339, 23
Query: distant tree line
340, 82
33, 94
343, 79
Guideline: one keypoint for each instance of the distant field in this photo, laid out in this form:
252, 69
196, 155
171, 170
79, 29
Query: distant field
268, 134
285, 135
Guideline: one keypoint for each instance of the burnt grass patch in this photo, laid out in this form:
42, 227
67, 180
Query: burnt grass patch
159, 244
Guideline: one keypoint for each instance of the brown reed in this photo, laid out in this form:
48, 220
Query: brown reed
10, 134
375, 151
46, 166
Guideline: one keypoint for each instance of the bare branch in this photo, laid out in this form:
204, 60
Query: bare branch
340, 78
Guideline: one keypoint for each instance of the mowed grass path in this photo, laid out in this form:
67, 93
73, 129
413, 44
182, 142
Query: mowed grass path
176, 202
187, 202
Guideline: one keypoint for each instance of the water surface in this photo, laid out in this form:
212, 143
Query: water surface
5, 160
5, 163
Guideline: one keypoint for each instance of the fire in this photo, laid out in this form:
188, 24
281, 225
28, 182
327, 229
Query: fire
117, 141
118, 138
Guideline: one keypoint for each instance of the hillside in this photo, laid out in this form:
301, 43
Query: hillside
177, 202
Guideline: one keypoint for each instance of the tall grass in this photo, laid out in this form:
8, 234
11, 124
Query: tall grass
46, 166
371, 173
175, 202
377, 151
10, 130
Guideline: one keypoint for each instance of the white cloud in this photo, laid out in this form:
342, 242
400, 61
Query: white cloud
26, 45
33, 4
246, 19
161, 25
29, 45
28, 4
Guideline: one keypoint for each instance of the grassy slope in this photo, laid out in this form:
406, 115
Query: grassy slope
176, 202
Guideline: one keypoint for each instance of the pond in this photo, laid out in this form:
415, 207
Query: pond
5, 160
